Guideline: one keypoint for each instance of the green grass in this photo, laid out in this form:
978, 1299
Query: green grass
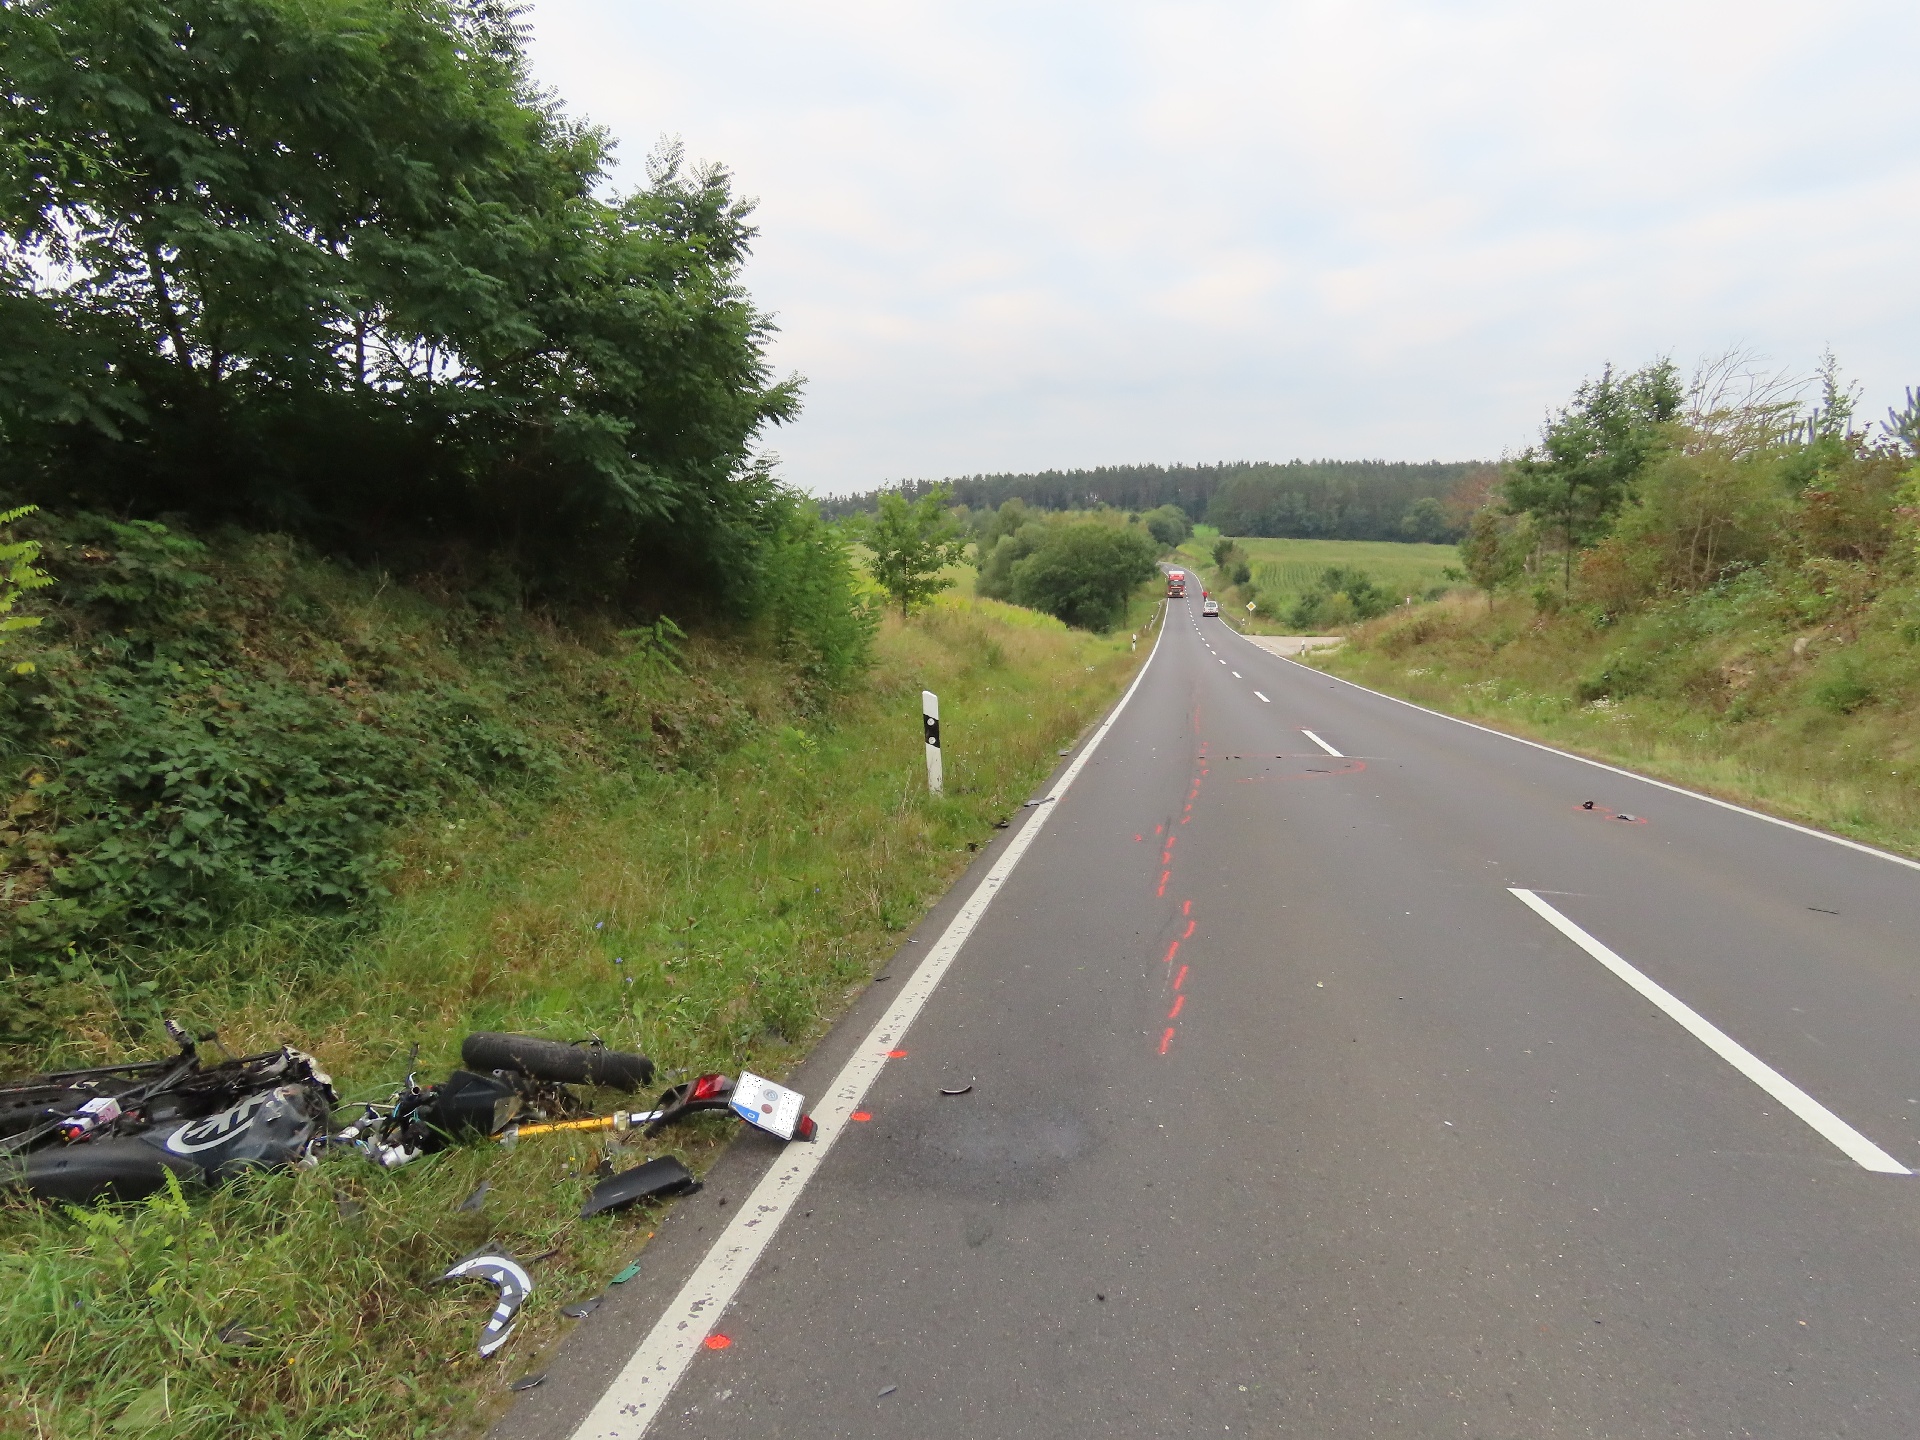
1726, 692
714, 919
1283, 569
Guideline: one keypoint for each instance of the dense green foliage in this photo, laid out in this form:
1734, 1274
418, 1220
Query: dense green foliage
912, 543
1332, 499
340, 269
211, 732
1081, 569
1340, 597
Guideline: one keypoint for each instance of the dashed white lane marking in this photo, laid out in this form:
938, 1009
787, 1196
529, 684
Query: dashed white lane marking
1322, 744
1857, 1148
640, 1391
1258, 695
1234, 673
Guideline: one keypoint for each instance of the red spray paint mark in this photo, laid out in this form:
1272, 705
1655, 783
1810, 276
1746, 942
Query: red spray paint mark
1179, 1003
896, 1054
1190, 927
861, 1115
1163, 882
1181, 978
1166, 1040
1186, 819
719, 1342
1172, 950
1186, 907
1136, 839
1158, 828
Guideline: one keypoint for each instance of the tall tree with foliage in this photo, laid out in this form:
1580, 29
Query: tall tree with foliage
912, 543
341, 267
1576, 479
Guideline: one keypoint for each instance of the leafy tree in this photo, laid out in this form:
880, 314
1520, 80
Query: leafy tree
1083, 573
1168, 524
343, 268
1426, 522
1582, 471
1494, 552
912, 544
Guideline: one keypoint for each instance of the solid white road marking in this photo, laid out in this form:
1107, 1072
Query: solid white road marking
639, 1392
1257, 693
1862, 1151
1610, 769
1323, 744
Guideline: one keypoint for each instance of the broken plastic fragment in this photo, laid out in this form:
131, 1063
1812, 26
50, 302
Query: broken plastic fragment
527, 1382
580, 1309
471, 1205
957, 1090
662, 1176
627, 1274
515, 1286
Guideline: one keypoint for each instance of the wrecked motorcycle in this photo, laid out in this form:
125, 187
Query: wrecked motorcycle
118, 1131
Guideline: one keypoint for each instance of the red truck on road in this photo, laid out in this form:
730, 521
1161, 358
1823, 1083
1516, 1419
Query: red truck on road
1176, 584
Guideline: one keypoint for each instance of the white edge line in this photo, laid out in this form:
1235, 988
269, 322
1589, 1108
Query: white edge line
1857, 1148
639, 1392
1323, 744
1603, 765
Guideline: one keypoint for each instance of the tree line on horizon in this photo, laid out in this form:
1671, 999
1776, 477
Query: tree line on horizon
1297, 499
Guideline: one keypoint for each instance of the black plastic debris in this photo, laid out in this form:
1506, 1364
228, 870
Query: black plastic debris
515, 1286
527, 1382
888, 1390
1586, 805
957, 1090
237, 1335
580, 1309
659, 1177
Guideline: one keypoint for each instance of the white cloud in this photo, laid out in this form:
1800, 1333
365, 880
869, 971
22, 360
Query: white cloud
1015, 236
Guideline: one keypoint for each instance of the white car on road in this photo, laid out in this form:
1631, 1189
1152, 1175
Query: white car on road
1209, 606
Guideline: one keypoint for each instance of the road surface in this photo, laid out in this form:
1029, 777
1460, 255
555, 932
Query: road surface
1291, 1117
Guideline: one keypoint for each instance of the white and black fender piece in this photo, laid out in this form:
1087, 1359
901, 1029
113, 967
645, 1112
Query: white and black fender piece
515, 1286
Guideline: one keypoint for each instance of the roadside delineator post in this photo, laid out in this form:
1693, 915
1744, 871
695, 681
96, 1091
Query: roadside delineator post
930, 717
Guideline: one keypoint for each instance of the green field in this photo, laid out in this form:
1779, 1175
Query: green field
1284, 568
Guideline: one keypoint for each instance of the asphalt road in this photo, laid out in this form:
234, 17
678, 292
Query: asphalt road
1378, 1149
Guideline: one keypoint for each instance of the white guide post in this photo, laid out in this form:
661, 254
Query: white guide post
930, 716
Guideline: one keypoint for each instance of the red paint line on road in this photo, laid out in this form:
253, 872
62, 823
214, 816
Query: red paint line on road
1163, 882
1179, 1002
1166, 1040
861, 1115
1181, 978
896, 1054
1186, 907
1172, 950
1190, 927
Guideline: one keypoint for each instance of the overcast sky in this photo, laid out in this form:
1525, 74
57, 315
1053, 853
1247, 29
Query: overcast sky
1022, 236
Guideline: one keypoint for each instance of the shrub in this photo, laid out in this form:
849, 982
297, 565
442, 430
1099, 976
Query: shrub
1083, 573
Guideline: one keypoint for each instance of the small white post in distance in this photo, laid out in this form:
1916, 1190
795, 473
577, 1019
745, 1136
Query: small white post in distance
930, 717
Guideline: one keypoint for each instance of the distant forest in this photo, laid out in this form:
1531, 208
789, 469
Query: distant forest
1324, 499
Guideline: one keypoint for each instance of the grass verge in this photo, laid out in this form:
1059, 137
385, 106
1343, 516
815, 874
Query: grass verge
716, 920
